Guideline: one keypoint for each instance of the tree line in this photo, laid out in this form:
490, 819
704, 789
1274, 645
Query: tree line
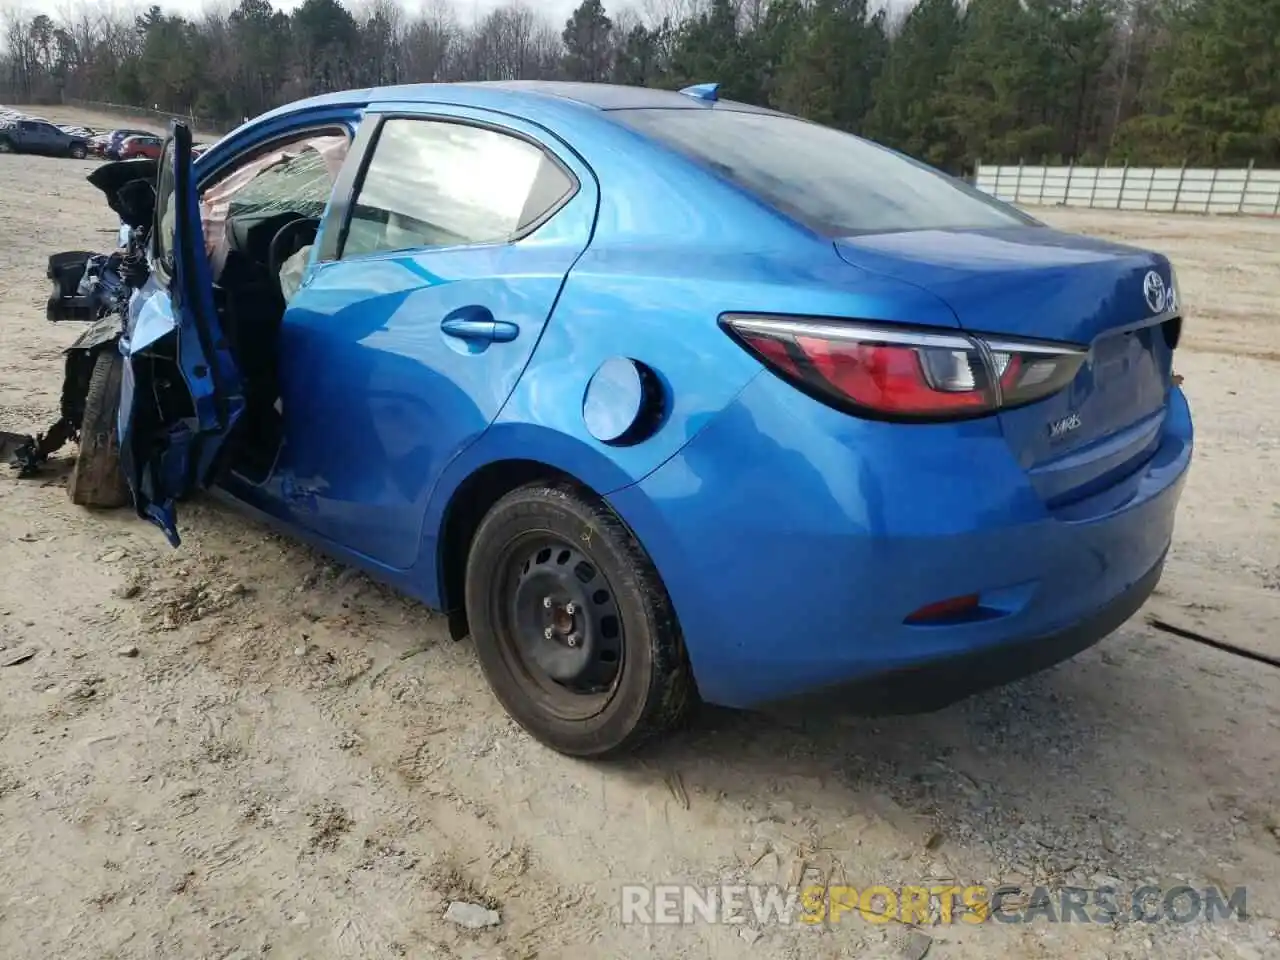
948, 81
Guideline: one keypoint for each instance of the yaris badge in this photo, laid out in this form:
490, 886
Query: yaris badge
1153, 290
1060, 428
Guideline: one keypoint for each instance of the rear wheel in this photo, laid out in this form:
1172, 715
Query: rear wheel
97, 480
572, 625
78, 151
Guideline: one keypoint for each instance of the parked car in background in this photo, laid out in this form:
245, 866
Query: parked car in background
32, 135
143, 145
112, 149
660, 397
98, 144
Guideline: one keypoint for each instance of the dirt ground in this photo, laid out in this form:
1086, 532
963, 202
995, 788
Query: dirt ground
237, 749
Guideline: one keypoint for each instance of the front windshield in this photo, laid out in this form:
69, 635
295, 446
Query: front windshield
299, 183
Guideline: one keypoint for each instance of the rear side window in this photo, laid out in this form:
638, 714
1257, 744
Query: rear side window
834, 183
434, 183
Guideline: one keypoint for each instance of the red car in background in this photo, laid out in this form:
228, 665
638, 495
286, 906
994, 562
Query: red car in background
141, 146
111, 149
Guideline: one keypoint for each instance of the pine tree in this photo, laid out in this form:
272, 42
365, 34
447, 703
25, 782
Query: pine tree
908, 112
831, 66
588, 43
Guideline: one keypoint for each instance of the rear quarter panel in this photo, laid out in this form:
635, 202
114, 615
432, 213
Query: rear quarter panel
674, 248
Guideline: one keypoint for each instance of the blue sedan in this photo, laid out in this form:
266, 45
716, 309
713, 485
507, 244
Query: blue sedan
662, 398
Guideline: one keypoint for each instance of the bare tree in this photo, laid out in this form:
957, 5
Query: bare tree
656, 12
429, 47
23, 66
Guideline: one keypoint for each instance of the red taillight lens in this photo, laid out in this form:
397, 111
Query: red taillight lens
898, 379
904, 373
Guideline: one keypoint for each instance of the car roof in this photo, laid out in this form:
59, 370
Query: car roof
560, 106
513, 93
607, 96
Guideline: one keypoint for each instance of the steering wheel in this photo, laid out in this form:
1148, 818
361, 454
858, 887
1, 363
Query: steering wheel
288, 240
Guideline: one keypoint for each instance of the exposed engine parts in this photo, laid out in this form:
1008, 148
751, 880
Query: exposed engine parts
91, 288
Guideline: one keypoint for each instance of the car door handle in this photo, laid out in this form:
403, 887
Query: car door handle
485, 331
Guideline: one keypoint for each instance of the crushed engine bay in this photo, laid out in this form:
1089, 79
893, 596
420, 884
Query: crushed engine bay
93, 288
254, 273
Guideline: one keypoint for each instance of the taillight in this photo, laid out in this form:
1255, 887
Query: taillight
904, 373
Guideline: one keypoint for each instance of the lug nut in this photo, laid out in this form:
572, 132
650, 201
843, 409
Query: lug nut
546, 603
569, 608
572, 640
548, 633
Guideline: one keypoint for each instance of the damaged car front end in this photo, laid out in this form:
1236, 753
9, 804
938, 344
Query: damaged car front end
150, 391
153, 389
95, 289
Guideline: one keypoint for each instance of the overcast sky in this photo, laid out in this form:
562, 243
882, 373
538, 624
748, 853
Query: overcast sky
557, 10
468, 10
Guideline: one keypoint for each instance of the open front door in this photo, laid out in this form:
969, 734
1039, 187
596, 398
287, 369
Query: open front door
181, 395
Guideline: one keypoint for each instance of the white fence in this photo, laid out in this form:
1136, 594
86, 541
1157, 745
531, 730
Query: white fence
1168, 189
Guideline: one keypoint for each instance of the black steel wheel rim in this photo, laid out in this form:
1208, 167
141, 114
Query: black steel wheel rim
560, 628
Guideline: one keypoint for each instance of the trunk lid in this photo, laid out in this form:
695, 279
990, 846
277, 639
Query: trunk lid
1037, 283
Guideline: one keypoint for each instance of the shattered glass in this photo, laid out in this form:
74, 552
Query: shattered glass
294, 179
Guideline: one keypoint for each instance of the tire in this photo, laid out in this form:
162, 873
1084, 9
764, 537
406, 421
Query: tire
78, 151
6, 146
96, 479
636, 684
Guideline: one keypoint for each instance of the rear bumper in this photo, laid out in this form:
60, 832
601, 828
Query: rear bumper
796, 541
939, 683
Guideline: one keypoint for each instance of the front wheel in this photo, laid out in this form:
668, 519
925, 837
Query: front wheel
96, 479
6, 146
572, 625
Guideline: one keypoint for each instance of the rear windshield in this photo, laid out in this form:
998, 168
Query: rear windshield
833, 182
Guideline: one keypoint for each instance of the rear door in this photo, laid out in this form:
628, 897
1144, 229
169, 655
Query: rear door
181, 393
438, 265
51, 138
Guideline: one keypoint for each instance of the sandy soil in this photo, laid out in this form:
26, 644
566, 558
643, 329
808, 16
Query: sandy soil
237, 749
